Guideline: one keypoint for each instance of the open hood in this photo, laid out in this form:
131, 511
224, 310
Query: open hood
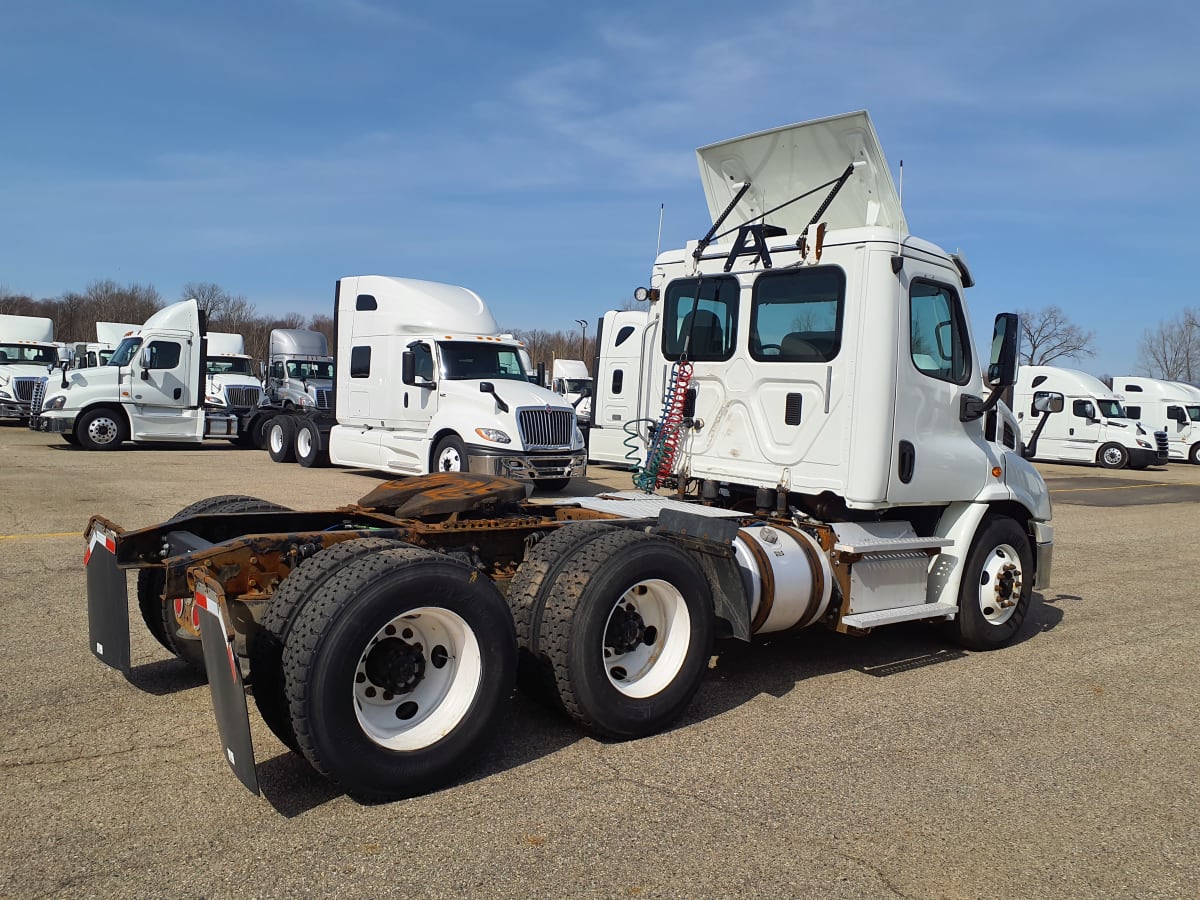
783, 163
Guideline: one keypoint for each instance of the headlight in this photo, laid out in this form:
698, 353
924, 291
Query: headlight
495, 435
6, 395
58, 401
214, 399
578, 439
1145, 444
305, 400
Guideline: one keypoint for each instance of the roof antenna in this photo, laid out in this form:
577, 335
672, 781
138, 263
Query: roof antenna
658, 246
898, 259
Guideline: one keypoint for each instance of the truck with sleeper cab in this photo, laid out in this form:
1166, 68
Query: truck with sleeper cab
825, 450
1163, 406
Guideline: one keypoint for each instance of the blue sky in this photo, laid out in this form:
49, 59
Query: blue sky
523, 149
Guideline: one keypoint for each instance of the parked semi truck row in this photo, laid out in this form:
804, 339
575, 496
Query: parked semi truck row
827, 473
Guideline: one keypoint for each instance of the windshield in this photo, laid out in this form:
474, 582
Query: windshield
577, 385
309, 369
468, 359
228, 365
105, 356
1111, 409
125, 352
38, 354
1193, 413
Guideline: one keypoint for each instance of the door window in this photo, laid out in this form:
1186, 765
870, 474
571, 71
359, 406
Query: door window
938, 333
700, 318
163, 354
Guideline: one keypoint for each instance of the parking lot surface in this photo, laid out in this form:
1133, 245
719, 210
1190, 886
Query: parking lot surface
819, 765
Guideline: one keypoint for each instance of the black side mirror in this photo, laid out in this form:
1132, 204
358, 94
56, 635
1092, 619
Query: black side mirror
1048, 402
1002, 370
408, 368
486, 387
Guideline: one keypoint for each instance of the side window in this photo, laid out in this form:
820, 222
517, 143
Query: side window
938, 334
1133, 412
164, 354
365, 302
360, 362
796, 315
618, 380
700, 318
423, 361
623, 335
1083, 409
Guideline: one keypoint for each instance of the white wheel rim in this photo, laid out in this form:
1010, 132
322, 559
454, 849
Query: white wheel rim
1112, 456
102, 430
303, 442
277, 439
435, 668
646, 638
449, 460
1000, 585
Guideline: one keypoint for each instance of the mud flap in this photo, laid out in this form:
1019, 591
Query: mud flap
225, 685
108, 600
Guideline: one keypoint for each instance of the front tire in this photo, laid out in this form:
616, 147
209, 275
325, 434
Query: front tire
281, 439
1112, 456
397, 671
997, 586
627, 630
101, 429
450, 455
1194, 455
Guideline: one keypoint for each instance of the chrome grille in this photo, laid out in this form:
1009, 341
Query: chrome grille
243, 397
1160, 441
541, 428
323, 395
36, 398
23, 387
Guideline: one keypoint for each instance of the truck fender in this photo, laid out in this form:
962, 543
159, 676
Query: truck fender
959, 522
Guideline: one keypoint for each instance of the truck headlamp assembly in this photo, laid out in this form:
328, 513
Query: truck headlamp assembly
214, 399
1145, 444
58, 401
495, 435
305, 400
6, 395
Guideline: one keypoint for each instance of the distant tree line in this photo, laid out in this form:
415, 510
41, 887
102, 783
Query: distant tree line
1172, 350
75, 315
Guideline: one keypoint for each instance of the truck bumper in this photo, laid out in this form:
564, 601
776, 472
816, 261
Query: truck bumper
13, 410
527, 466
52, 424
1043, 546
1139, 457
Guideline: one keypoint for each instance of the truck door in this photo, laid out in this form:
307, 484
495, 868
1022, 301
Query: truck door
161, 386
935, 456
1085, 432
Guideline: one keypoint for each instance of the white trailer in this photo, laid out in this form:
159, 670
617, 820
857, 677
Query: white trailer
846, 465
153, 390
27, 354
1093, 427
1163, 406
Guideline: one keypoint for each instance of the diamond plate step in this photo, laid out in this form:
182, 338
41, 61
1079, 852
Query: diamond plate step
899, 614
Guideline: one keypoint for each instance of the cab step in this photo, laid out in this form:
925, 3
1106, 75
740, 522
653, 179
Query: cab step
898, 614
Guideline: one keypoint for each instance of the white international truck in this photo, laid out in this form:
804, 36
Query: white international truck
846, 465
1163, 406
1093, 427
232, 386
299, 370
97, 353
570, 379
160, 385
426, 383
27, 354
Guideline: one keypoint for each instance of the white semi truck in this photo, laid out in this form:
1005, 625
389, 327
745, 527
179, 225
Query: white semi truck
846, 465
618, 433
232, 386
299, 370
27, 354
1163, 406
426, 383
1093, 427
159, 386
570, 379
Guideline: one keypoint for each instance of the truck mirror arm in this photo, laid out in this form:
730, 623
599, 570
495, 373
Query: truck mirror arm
486, 387
971, 407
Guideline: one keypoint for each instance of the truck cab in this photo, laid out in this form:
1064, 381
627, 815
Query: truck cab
426, 383
1163, 406
27, 355
299, 371
231, 384
1093, 427
570, 378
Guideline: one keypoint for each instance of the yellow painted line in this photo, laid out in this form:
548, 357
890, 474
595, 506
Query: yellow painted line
1126, 487
53, 534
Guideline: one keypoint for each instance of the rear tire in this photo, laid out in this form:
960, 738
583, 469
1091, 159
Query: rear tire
311, 450
628, 630
158, 612
997, 586
266, 646
397, 669
281, 439
1112, 456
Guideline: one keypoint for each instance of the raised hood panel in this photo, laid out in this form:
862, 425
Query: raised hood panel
783, 163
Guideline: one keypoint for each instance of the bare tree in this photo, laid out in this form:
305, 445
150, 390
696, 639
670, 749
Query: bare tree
226, 312
1172, 350
1048, 335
